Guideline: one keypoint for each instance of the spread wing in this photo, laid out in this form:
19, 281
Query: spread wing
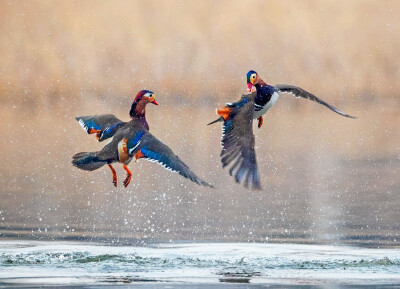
144, 145
238, 143
299, 92
104, 125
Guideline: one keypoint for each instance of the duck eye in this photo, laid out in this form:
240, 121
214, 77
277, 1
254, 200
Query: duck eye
253, 76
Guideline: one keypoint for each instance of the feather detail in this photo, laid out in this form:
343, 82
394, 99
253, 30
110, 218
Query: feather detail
299, 92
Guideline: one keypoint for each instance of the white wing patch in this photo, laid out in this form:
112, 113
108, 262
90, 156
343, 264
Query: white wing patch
83, 125
132, 149
162, 164
223, 135
292, 93
109, 140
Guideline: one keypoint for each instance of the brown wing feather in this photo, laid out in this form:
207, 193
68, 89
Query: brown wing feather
299, 92
238, 145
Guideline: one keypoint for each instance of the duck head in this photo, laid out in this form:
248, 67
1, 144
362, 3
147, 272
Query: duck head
142, 98
253, 79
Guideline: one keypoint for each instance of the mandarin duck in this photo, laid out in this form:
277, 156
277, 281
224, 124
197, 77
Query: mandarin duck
238, 139
129, 140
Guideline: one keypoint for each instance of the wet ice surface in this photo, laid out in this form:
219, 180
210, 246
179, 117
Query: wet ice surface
78, 263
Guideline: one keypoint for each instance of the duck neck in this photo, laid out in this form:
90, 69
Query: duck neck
260, 83
138, 111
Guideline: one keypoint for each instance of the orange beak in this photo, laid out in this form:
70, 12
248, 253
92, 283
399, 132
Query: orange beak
152, 99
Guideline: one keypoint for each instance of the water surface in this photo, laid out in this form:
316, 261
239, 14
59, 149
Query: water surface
78, 263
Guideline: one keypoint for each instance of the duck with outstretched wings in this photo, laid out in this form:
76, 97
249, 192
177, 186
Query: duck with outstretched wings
238, 139
129, 140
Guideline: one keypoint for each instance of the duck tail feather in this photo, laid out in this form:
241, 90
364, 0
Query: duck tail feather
88, 161
217, 120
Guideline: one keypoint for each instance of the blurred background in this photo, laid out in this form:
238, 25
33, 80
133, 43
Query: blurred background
326, 179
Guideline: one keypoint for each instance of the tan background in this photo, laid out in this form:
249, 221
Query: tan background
325, 178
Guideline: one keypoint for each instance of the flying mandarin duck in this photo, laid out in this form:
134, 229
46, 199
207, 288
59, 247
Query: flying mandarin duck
238, 138
130, 140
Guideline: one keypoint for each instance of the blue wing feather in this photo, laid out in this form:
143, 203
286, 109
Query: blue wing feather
158, 157
155, 151
134, 142
110, 131
88, 124
106, 124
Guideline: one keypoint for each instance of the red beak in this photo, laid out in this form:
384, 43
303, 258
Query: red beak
154, 102
249, 87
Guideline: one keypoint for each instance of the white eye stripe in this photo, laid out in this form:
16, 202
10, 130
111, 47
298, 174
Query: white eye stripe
148, 94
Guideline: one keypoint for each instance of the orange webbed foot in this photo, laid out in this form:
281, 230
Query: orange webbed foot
128, 176
96, 131
114, 173
92, 130
127, 180
260, 121
139, 155
115, 182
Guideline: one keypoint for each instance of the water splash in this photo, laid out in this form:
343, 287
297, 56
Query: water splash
219, 262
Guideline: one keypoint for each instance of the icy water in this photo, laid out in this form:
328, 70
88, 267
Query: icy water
190, 265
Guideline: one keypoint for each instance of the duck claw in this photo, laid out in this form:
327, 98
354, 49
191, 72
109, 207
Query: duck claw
260, 121
128, 176
127, 180
114, 175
